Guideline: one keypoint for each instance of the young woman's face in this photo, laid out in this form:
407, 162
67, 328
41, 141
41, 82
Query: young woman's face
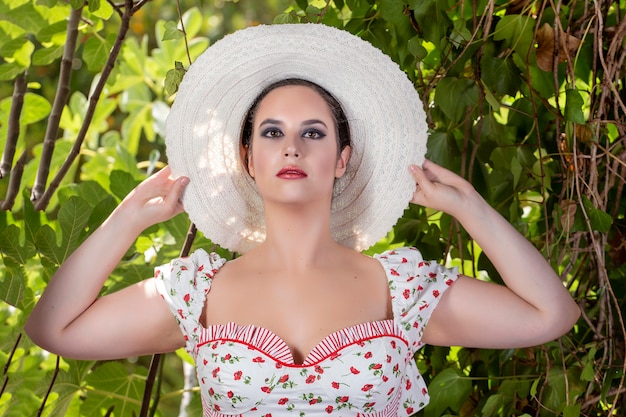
294, 154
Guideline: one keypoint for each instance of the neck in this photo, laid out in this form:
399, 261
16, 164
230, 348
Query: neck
298, 236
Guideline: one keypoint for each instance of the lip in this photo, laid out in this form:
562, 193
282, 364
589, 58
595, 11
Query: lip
291, 173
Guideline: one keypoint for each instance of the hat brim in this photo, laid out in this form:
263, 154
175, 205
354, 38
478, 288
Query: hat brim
386, 118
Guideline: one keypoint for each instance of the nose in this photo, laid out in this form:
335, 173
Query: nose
291, 147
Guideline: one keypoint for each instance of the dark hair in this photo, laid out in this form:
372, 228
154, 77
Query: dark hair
341, 122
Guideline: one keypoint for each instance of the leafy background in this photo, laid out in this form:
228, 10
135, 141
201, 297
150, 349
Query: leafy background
524, 98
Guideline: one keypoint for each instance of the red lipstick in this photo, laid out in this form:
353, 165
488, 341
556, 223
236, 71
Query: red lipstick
291, 173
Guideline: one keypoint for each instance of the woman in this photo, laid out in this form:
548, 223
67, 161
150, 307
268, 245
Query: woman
296, 145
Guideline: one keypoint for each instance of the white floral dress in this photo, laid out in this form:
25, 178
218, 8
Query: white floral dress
363, 370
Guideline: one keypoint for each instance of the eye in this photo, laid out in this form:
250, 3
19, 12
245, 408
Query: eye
272, 132
313, 134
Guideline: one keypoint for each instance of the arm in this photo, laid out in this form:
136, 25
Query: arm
534, 307
72, 321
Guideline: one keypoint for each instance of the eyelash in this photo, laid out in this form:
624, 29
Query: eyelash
273, 132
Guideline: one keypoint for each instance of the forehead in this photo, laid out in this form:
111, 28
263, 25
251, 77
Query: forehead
294, 100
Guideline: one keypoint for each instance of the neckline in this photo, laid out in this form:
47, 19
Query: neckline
273, 346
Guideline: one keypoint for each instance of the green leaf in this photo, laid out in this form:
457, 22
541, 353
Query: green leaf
10, 71
432, 20
73, 218
47, 56
174, 77
416, 48
171, 31
122, 183
14, 289
96, 52
572, 410
598, 219
35, 108
494, 406
574, 106
501, 75
448, 389
453, 96
517, 31
113, 378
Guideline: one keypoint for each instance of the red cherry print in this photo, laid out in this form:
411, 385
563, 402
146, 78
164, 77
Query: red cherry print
186, 298
449, 282
368, 355
230, 394
388, 358
180, 313
215, 372
200, 268
266, 389
393, 344
411, 278
385, 378
204, 361
211, 392
406, 294
432, 275
370, 404
377, 366
394, 272
409, 411
319, 369
367, 387
237, 375
283, 401
310, 379
390, 391
421, 264
424, 306
334, 356
343, 399
283, 379
258, 359
217, 407
354, 370
404, 260
313, 401
435, 293
424, 391
420, 288
329, 409
227, 357
408, 385
335, 385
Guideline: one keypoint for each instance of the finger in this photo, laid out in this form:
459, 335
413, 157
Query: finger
174, 195
421, 178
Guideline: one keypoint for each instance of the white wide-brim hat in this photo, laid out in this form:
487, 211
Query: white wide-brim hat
387, 127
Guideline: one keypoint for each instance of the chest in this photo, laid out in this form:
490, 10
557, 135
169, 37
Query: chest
242, 368
302, 311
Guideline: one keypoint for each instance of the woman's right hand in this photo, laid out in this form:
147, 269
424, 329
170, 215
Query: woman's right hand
155, 200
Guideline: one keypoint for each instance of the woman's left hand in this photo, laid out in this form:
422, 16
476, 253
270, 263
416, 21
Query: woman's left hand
441, 189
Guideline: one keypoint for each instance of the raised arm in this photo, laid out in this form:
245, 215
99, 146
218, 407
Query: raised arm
534, 307
72, 321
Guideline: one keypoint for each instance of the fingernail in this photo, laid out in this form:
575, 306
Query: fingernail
413, 168
184, 180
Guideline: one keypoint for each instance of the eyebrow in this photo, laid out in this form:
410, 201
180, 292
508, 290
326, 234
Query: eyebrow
305, 123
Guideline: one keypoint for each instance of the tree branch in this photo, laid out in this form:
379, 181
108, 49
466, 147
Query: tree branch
44, 199
63, 92
13, 126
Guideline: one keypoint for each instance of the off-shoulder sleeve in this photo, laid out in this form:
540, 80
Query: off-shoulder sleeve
416, 286
184, 284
